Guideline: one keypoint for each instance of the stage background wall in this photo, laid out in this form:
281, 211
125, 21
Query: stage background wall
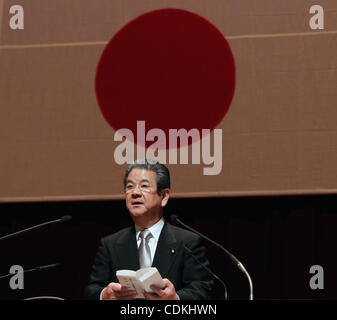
279, 135
279, 138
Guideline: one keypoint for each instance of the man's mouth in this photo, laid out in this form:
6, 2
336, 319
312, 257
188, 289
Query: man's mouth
137, 203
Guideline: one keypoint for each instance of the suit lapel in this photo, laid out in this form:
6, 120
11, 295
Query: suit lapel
126, 250
166, 251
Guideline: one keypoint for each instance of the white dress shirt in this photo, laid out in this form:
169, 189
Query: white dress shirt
155, 231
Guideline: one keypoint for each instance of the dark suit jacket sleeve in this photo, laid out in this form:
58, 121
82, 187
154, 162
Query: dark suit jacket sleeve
101, 273
197, 282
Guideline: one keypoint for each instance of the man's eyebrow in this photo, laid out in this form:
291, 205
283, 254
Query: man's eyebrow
131, 181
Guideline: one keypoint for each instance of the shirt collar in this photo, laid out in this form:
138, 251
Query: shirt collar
155, 229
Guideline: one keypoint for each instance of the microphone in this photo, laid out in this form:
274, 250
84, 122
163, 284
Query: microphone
175, 218
40, 268
65, 219
207, 269
46, 267
62, 220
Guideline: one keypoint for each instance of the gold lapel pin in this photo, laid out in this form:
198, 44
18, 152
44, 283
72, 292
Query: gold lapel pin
173, 251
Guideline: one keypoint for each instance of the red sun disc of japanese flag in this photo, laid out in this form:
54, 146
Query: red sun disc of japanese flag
170, 68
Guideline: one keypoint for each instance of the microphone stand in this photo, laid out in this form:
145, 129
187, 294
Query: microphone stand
63, 219
40, 268
231, 256
207, 269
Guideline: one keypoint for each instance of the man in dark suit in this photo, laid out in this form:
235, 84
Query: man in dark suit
150, 242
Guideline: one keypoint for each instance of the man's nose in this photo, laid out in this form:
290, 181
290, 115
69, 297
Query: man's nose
136, 192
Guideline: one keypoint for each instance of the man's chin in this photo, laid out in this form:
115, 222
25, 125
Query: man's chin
137, 212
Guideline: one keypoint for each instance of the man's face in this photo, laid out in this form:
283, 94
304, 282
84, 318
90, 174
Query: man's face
142, 199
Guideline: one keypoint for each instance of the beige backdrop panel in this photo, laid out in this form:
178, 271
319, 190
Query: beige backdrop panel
279, 136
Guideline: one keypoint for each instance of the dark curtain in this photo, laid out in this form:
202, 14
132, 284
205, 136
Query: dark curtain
277, 239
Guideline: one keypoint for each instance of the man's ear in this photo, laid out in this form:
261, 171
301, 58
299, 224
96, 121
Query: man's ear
165, 194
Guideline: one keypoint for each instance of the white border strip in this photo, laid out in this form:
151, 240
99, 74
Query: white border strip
100, 43
214, 194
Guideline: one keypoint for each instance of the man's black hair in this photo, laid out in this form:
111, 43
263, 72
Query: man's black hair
161, 171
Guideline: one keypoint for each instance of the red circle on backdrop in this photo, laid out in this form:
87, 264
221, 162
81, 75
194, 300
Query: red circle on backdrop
170, 68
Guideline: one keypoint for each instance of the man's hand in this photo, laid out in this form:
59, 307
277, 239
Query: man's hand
167, 293
114, 291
